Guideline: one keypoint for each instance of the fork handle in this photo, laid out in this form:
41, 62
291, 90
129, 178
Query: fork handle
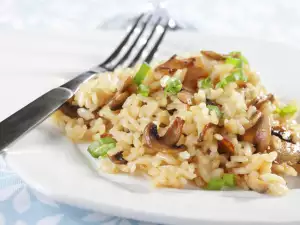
31, 115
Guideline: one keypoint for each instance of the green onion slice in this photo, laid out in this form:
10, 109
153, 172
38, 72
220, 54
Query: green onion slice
229, 180
143, 90
239, 56
237, 75
215, 184
215, 108
205, 83
287, 110
173, 85
237, 63
101, 147
142, 73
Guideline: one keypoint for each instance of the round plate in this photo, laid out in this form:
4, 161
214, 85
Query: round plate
52, 164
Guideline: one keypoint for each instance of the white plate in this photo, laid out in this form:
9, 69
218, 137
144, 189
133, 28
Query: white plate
46, 160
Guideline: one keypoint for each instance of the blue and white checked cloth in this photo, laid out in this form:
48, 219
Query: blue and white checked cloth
20, 205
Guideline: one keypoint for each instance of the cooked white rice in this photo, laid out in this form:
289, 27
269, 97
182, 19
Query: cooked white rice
202, 160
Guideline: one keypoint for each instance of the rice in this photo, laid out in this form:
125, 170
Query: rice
204, 132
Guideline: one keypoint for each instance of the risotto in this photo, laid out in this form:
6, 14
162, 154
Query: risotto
204, 119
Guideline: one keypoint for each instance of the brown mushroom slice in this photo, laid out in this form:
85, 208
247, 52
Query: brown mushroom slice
287, 152
155, 144
261, 100
173, 64
225, 146
118, 158
282, 133
214, 55
69, 110
127, 85
204, 131
192, 76
253, 120
173, 134
260, 134
186, 97
263, 134
118, 100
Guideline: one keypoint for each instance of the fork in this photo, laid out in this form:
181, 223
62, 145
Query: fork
22, 121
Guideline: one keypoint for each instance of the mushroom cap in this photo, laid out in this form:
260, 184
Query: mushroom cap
259, 134
167, 142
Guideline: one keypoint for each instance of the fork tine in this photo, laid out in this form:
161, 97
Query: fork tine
137, 57
155, 47
127, 54
123, 42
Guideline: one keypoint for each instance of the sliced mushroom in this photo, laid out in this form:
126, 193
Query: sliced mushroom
263, 134
253, 120
213, 55
118, 158
174, 64
69, 110
204, 131
186, 97
260, 134
225, 146
282, 133
127, 87
210, 102
118, 101
192, 76
166, 143
173, 134
287, 151
261, 100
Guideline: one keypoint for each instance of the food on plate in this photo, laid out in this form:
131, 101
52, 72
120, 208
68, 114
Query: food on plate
205, 119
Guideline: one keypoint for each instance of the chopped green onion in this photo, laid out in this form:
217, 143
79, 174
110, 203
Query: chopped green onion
229, 180
215, 184
101, 147
143, 90
237, 75
106, 140
288, 110
239, 56
141, 74
215, 108
205, 83
173, 86
235, 62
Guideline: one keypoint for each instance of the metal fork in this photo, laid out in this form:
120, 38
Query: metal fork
40, 109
